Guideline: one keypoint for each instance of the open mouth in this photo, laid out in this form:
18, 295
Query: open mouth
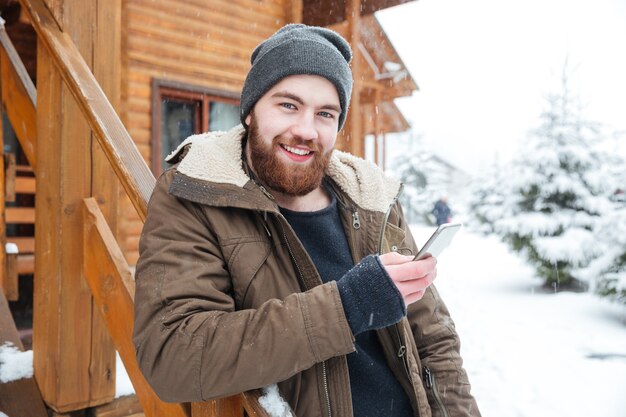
297, 151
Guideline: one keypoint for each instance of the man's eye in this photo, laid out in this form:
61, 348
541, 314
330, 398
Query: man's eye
288, 106
326, 114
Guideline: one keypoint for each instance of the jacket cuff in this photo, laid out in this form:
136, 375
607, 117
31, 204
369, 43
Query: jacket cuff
369, 297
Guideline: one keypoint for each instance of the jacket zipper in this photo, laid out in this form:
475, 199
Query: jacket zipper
431, 384
402, 353
384, 226
326, 391
356, 223
302, 285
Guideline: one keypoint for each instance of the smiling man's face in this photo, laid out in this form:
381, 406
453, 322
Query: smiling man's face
292, 131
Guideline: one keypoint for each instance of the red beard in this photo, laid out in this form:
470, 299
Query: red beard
280, 176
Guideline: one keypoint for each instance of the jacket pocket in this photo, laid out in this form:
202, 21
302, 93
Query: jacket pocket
434, 396
393, 240
245, 257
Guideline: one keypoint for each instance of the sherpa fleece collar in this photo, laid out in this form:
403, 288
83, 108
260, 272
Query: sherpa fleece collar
216, 157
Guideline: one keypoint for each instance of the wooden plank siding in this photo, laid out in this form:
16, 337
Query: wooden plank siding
205, 44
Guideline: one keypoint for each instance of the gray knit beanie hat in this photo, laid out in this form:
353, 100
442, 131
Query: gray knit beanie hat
298, 49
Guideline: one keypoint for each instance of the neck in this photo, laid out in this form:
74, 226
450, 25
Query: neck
313, 201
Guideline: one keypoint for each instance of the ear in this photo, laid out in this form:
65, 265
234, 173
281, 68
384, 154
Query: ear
248, 119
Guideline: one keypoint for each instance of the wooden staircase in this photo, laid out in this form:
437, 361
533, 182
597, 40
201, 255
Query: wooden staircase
97, 256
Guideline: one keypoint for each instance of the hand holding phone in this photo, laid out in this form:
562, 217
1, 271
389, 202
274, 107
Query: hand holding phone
438, 241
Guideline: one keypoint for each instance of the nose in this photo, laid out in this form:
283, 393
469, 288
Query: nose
304, 127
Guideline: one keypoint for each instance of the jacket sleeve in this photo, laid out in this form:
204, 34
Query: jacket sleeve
190, 342
438, 346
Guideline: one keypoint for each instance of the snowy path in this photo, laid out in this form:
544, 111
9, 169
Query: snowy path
530, 354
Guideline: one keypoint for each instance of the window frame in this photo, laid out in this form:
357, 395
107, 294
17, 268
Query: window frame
184, 92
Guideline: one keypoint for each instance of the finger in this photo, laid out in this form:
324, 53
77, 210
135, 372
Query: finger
409, 287
416, 296
412, 270
394, 258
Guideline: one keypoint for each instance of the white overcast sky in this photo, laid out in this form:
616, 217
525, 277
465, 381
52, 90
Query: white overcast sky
484, 67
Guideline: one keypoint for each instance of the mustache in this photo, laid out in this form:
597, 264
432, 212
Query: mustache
297, 142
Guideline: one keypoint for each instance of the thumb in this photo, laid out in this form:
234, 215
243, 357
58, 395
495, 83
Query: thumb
394, 258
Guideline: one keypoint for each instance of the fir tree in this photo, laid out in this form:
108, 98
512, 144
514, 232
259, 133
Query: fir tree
553, 195
423, 181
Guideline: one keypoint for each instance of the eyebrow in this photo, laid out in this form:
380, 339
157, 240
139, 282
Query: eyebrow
286, 94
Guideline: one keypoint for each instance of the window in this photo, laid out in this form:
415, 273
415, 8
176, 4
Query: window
181, 110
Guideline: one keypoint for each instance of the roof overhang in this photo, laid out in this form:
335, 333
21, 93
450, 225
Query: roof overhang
330, 12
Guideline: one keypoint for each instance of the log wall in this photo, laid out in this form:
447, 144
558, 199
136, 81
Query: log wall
205, 44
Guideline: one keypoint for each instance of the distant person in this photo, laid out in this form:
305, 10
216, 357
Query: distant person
442, 211
268, 257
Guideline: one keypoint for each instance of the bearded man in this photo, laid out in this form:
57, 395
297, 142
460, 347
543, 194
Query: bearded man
268, 259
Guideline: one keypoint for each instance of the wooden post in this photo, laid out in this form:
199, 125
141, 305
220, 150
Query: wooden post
294, 11
104, 183
355, 137
376, 125
4, 281
73, 355
384, 146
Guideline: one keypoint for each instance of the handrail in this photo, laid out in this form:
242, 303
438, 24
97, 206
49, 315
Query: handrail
18, 91
20, 69
121, 151
113, 288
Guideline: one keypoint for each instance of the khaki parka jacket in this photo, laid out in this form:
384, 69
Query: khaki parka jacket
228, 300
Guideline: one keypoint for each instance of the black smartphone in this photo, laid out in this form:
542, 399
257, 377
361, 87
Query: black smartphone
439, 240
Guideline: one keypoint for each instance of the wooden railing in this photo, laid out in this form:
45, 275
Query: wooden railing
106, 271
19, 97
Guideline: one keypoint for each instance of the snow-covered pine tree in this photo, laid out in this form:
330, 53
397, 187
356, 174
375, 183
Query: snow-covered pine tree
489, 199
556, 192
607, 272
423, 179
410, 169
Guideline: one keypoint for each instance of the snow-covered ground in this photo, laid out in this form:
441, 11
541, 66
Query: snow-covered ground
530, 353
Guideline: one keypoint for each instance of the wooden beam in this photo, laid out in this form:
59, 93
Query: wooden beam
11, 285
126, 406
231, 406
355, 134
122, 153
293, 11
19, 97
25, 264
20, 215
113, 288
4, 273
250, 400
64, 314
9, 177
376, 124
24, 185
227, 407
24, 244
384, 163
106, 67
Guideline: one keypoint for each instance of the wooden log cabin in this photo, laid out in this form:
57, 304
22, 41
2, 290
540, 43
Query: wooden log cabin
94, 94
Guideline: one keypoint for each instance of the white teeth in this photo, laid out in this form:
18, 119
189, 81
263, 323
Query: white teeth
296, 150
